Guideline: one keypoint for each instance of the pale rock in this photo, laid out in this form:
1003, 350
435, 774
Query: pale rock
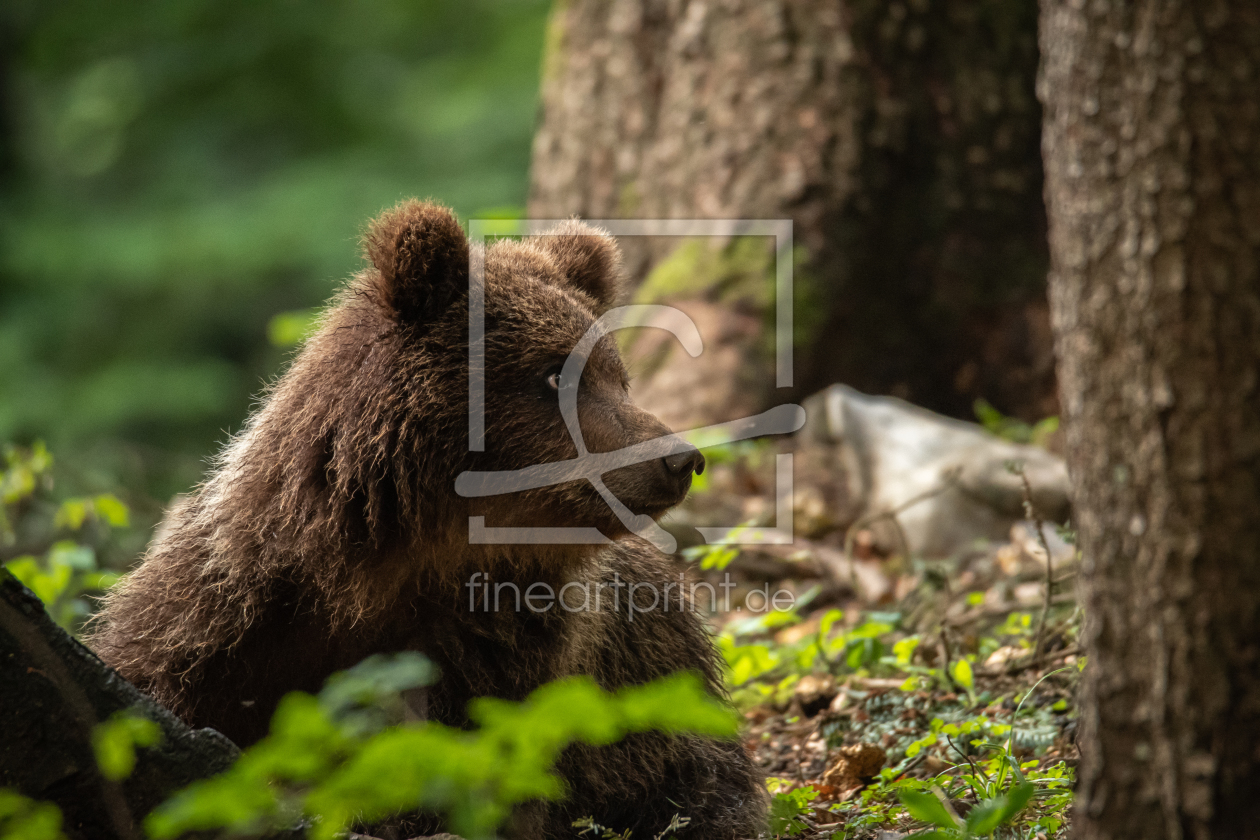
947, 479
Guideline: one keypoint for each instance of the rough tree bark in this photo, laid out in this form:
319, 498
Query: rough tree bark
53, 692
902, 138
1152, 150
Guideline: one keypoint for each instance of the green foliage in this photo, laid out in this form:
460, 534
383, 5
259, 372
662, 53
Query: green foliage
287, 329
114, 742
761, 671
741, 270
999, 785
594, 829
368, 697
1013, 429
1006, 798
25, 819
787, 807
717, 556
177, 174
320, 761
985, 817
748, 453
50, 544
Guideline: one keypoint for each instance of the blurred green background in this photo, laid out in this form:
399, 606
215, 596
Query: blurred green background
174, 175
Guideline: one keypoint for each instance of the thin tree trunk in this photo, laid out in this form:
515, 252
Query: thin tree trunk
1152, 150
901, 137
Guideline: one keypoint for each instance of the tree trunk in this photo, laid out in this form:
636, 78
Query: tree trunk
1152, 149
902, 138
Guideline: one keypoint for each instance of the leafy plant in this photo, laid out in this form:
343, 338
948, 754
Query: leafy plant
787, 807
114, 742
26, 819
1014, 429
985, 817
717, 556
319, 763
62, 572
998, 785
288, 329
594, 829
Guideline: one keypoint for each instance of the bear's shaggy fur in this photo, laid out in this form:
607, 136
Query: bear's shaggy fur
329, 529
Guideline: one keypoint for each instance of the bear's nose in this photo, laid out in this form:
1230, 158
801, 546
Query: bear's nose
685, 463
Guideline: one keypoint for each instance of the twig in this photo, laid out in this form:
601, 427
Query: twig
1014, 666
948, 479
1030, 510
910, 763
984, 611
975, 771
943, 648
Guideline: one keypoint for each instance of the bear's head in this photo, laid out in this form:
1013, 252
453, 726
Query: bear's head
541, 296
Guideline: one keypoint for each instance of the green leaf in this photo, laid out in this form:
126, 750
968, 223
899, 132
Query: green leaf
47, 585
927, 807
99, 580
1050, 823
985, 817
309, 765
110, 509
828, 621
369, 696
71, 514
18, 483
114, 743
72, 555
786, 807
26, 819
1043, 430
286, 329
962, 674
1017, 799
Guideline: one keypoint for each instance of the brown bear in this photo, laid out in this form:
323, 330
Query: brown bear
329, 528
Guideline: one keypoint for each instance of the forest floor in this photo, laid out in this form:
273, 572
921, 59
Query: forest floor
915, 696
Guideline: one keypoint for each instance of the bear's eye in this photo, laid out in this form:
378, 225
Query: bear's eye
554, 377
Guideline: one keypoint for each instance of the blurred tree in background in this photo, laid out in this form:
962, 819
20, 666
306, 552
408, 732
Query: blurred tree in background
173, 175
902, 139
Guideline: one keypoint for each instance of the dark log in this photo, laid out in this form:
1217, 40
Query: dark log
53, 691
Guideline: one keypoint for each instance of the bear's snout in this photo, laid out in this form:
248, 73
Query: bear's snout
682, 464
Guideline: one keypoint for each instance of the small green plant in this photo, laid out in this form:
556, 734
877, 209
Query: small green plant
289, 329
1013, 429
321, 764
115, 742
787, 807
595, 830
717, 556
984, 818
62, 572
1000, 786
26, 819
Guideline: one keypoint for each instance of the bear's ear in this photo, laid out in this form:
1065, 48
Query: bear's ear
588, 258
421, 253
